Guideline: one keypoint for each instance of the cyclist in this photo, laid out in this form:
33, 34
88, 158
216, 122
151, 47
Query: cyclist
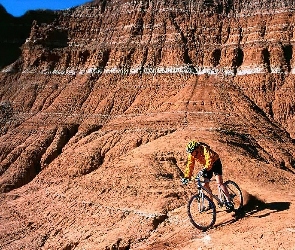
203, 154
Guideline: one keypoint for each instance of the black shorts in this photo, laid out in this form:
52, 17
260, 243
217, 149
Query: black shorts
216, 169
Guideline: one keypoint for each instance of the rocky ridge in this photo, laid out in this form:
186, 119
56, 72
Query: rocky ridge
96, 111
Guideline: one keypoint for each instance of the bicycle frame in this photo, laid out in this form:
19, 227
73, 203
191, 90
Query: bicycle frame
202, 207
201, 190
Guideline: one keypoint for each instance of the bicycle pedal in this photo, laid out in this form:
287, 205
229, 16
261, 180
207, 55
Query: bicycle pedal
229, 206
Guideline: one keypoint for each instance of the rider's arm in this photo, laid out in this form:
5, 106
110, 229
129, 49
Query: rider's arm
189, 166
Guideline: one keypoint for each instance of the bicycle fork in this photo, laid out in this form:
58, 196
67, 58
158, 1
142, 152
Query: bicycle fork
201, 201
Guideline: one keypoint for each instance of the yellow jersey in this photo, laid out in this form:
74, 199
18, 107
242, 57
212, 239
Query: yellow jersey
205, 156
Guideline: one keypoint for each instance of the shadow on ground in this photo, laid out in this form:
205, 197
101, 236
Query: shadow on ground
253, 205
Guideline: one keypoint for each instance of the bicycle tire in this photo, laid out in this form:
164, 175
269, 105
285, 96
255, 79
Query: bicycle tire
200, 218
235, 193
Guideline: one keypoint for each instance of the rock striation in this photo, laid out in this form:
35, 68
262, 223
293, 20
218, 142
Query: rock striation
96, 111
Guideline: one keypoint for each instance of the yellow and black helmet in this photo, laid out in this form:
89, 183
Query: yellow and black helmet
191, 146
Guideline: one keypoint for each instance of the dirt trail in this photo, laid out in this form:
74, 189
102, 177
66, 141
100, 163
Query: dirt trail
268, 222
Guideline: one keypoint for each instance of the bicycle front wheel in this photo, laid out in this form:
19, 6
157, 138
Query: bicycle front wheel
202, 212
235, 194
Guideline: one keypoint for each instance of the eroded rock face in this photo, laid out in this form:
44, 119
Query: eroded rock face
96, 112
15, 30
249, 43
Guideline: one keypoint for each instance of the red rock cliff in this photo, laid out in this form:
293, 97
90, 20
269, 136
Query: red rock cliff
104, 98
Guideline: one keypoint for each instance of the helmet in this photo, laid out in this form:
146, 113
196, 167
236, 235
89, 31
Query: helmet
191, 146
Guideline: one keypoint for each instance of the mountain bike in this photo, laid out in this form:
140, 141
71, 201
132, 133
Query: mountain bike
202, 209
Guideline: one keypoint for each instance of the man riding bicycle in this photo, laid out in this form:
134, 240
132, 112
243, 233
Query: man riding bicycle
211, 162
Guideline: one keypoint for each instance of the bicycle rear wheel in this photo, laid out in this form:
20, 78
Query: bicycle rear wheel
202, 212
235, 194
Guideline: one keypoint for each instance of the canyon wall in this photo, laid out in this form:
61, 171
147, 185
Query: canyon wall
103, 98
249, 44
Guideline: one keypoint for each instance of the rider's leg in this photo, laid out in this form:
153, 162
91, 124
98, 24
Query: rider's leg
207, 186
207, 177
220, 183
217, 169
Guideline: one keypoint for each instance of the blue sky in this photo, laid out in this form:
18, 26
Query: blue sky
19, 7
